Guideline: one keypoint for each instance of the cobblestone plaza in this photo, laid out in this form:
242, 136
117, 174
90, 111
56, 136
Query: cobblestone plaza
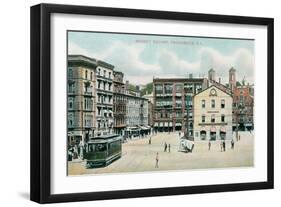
139, 156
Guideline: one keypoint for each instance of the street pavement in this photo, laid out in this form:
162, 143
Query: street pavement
139, 156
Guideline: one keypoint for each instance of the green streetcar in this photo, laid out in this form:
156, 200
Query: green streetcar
103, 150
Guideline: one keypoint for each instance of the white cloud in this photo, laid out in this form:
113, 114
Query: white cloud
75, 49
171, 64
241, 59
127, 58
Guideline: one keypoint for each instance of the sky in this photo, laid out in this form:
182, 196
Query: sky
142, 57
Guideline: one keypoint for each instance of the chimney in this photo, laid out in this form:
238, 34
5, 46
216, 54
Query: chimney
137, 88
190, 75
127, 85
219, 80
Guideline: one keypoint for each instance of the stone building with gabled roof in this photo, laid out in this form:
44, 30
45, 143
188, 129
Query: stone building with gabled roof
212, 109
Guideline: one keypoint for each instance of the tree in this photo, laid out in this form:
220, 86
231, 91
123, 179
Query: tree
147, 89
238, 83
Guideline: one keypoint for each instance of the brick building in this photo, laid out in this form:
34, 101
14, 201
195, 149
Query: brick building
173, 108
119, 103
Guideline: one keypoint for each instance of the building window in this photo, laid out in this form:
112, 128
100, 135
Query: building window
99, 111
223, 104
104, 73
213, 103
70, 120
159, 89
88, 120
168, 89
179, 88
222, 118
109, 75
198, 88
189, 88
213, 118
203, 118
70, 103
70, 73
91, 75
71, 87
87, 88
87, 104
86, 74
203, 104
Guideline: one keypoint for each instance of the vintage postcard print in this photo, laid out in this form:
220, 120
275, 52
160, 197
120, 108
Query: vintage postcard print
147, 102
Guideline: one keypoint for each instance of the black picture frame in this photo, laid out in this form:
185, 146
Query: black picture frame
40, 185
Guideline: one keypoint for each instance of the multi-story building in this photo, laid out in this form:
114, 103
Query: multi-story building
80, 98
212, 114
243, 108
173, 103
99, 102
104, 98
243, 99
150, 99
119, 103
243, 103
136, 112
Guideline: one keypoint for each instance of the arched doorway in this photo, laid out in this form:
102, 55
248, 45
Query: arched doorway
222, 133
203, 133
213, 133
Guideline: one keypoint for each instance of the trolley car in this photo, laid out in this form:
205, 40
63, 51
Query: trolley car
103, 150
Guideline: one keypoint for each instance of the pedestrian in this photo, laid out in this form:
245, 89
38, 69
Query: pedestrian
209, 145
239, 137
157, 160
149, 142
169, 148
165, 147
232, 144
221, 146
